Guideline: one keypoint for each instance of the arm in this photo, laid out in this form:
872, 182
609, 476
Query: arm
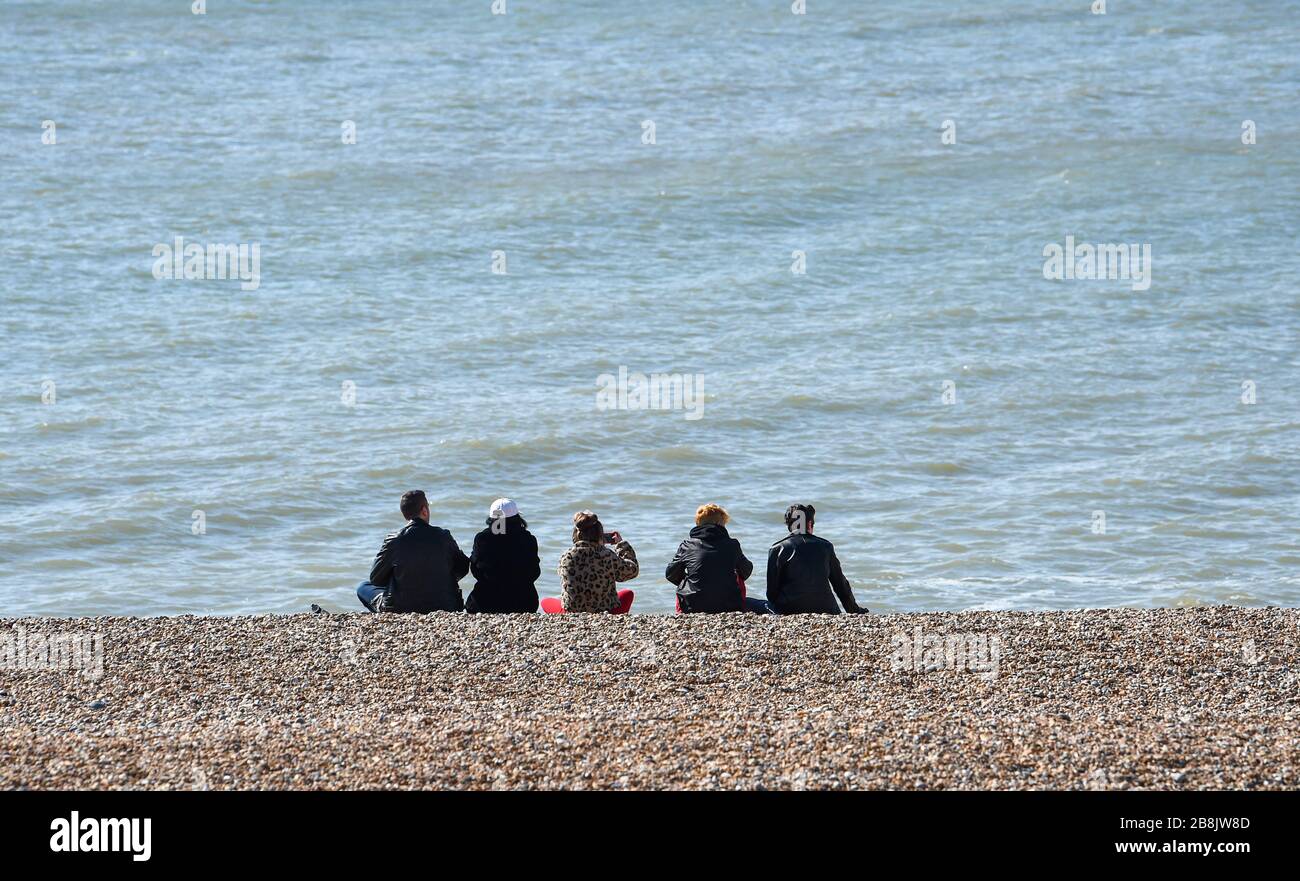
842, 587
536, 572
744, 568
381, 572
676, 571
457, 559
475, 557
774, 566
563, 570
627, 567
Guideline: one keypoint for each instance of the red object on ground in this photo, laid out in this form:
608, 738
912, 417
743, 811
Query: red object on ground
625, 598
553, 605
739, 581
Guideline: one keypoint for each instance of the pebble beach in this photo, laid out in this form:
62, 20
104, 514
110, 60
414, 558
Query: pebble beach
1194, 698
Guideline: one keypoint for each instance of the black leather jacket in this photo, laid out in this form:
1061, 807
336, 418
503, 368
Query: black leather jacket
420, 566
804, 576
705, 570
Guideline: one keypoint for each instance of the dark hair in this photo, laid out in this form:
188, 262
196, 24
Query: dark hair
413, 502
795, 513
586, 527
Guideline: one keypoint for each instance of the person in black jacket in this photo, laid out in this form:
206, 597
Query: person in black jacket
418, 567
803, 573
505, 563
709, 567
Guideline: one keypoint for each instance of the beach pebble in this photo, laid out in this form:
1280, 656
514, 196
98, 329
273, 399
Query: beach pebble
1100, 699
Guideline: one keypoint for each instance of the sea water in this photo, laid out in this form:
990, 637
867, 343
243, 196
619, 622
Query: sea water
833, 228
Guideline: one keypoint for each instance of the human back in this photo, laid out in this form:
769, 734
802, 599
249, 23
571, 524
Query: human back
803, 574
709, 566
418, 568
591, 569
505, 563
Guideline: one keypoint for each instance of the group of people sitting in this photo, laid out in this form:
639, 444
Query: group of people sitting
419, 568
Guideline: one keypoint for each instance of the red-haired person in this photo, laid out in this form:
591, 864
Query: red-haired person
710, 569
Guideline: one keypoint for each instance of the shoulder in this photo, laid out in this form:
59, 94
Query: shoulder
437, 535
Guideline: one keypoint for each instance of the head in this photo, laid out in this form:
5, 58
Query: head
415, 505
799, 518
502, 509
587, 527
501, 513
711, 514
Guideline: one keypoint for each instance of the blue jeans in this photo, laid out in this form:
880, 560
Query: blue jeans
759, 607
369, 594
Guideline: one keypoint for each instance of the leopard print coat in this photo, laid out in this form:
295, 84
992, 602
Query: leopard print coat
589, 573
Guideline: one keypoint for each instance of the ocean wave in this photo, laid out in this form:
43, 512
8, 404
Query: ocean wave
1239, 492
942, 469
71, 425
680, 453
818, 404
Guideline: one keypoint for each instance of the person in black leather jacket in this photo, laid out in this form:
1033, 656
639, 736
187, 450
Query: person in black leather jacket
418, 567
709, 567
803, 573
505, 562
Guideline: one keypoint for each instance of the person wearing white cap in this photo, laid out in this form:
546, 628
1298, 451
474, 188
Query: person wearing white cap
504, 563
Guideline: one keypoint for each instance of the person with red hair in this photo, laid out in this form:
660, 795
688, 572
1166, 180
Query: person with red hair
709, 568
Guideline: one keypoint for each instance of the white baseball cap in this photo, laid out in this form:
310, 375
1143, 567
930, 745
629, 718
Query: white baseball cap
503, 508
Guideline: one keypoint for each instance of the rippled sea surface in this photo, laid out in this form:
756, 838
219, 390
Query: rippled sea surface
130, 403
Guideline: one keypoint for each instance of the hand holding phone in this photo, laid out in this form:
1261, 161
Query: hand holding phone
612, 538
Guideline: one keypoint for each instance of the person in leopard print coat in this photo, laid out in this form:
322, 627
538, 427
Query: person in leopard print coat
591, 569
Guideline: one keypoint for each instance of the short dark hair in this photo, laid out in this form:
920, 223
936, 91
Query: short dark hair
413, 502
795, 513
